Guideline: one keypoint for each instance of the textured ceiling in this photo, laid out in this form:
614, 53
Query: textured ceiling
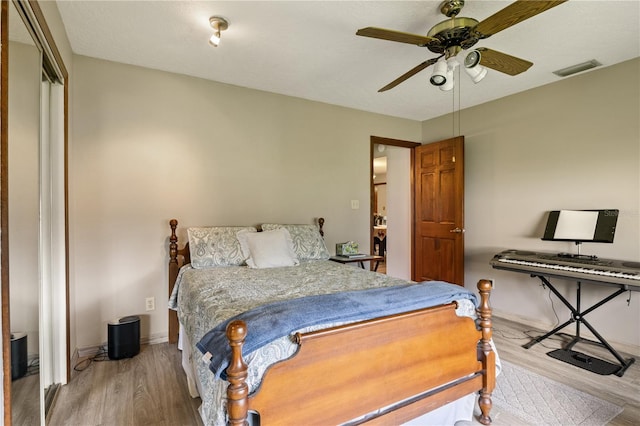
309, 49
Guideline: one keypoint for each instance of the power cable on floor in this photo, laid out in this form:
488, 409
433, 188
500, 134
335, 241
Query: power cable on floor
102, 355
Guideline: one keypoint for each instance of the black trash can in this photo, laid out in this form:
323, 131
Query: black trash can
19, 364
124, 337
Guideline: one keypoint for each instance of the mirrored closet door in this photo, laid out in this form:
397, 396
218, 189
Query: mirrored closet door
23, 201
34, 282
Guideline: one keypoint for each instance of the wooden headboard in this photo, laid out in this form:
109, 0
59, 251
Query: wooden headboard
179, 257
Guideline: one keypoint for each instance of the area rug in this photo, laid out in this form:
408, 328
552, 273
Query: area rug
541, 401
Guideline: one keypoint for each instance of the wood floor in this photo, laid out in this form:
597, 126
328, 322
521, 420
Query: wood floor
25, 394
150, 389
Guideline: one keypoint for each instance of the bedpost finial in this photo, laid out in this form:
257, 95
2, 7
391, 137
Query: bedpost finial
238, 390
485, 285
484, 310
321, 225
237, 331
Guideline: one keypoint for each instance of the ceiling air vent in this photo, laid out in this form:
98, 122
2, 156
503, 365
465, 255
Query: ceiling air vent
574, 69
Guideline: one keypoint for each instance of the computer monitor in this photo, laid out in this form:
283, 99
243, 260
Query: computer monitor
580, 226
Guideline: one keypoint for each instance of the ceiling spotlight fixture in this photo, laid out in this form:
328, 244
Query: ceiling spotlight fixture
448, 84
472, 66
452, 64
443, 70
439, 76
472, 59
218, 24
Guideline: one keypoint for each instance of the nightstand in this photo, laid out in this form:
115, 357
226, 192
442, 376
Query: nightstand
360, 260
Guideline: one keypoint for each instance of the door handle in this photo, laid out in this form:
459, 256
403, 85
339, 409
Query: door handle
457, 231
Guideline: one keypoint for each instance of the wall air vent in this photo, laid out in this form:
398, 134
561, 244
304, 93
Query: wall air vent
574, 69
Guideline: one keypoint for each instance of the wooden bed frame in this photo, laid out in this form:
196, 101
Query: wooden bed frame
425, 359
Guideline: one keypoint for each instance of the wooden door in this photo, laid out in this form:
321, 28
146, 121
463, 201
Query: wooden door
439, 211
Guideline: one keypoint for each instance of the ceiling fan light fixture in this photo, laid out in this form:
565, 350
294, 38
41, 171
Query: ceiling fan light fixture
472, 59
439, 76
476, 73
472, 66
218, 23
448, 85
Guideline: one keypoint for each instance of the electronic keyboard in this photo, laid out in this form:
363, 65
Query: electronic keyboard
578, 267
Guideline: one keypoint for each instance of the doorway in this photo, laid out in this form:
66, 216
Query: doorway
433, 177
391, 204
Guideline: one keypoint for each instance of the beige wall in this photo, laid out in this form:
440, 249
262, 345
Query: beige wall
574, 144
149, 146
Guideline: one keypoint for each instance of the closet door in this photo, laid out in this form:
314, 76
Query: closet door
33, 236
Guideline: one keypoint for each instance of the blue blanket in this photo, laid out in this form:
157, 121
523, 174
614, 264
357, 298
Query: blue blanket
269, 322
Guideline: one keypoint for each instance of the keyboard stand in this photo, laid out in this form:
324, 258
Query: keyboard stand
578, 359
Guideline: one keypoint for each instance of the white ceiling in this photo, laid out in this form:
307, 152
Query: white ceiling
309, 49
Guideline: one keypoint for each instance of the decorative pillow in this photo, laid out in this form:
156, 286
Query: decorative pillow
267, 249
216, 246
308, 244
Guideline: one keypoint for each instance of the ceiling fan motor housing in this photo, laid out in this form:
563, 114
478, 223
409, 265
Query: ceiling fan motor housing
452, 32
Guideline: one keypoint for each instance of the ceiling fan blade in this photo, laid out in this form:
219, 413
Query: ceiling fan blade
511, 15
392, 35
410, 73
502, 62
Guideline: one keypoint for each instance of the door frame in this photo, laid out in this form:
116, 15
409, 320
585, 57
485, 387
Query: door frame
378, 140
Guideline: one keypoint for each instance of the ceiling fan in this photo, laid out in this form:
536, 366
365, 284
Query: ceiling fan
452, 37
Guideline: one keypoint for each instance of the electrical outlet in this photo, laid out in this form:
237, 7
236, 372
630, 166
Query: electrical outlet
355, 204
150, 303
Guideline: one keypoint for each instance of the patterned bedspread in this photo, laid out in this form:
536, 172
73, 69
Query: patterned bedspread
206, 297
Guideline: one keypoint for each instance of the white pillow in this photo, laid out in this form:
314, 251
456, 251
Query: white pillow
267, 249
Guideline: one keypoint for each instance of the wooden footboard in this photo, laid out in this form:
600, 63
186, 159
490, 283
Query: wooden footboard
414, 362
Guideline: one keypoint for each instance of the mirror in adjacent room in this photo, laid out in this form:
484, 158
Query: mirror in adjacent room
25, 71
392, 211
379, 230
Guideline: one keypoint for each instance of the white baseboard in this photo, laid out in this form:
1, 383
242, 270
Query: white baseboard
541, 325
155, 339
88, 351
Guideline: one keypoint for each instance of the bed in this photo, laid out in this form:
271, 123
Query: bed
411, 360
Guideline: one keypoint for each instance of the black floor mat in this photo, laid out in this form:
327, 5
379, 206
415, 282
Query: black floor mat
587, 362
